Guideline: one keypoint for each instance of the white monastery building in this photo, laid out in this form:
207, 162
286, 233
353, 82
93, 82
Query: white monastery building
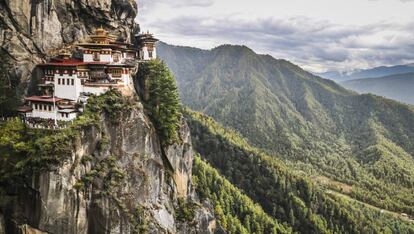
105, 64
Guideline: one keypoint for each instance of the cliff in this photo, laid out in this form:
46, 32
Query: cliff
107, 172
33, 30
106, 175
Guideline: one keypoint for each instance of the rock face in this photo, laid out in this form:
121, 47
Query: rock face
116, 181
33, 30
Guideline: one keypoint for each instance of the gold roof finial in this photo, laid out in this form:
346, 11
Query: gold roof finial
64, 53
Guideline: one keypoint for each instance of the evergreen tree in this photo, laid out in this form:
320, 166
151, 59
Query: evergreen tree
161, 99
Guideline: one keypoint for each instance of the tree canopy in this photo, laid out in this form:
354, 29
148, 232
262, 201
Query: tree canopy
161, 99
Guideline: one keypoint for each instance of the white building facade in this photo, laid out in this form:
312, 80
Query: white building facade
106, 64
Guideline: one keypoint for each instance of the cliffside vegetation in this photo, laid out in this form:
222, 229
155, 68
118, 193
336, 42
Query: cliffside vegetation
287, 196
236, 212
24, 151
161, 99
361, 142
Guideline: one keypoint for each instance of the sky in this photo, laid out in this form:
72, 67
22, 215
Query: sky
319, 35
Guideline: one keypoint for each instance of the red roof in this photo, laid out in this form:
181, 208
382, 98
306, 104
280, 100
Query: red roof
70, 63
48, 99
24, 109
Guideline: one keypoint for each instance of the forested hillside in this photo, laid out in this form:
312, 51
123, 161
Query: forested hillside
235, 211
362, 144
398, 87
286, 195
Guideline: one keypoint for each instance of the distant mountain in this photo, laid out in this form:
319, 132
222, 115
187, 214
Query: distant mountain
369, 73
314, 124
398, 87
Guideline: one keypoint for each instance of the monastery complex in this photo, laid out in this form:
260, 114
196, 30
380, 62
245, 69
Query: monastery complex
102, 63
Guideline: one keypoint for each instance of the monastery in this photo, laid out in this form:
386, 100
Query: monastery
67, 82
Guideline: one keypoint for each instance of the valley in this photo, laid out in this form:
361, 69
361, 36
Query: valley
312, 124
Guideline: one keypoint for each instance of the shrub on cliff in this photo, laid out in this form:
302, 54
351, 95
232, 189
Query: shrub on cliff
161, 99
24, 150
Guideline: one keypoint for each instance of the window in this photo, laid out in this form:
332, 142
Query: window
58, 81
150, 54
96, 56
68, 82
35, 106
73, 82
67, 115
63, 81
50, 108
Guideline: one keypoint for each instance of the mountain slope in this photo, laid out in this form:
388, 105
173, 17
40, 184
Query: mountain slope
398, 87
314, 124
370, 73
236, 212
287, 195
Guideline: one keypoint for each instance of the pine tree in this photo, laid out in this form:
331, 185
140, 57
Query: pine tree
162, 100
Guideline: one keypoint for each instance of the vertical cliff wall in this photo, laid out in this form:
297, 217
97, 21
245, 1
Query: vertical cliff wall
115, 179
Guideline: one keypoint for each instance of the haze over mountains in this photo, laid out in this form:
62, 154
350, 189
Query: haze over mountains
394, 82
362, 142
399, 87
369, 73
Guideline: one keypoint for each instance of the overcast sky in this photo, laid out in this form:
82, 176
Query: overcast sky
319, 35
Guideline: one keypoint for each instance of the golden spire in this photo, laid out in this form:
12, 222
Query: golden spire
64, 53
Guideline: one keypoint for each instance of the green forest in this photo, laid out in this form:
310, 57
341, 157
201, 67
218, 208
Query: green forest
362, 142
236, 212
284, 194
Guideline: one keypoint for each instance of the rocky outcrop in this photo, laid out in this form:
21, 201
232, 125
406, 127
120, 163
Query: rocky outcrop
117, 180
33, 30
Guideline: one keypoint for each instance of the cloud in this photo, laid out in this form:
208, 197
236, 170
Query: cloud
303, 40
312, 43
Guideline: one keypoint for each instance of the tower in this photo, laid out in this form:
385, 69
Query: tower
147, 46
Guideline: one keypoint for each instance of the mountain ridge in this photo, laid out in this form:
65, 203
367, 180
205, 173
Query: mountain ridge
375, 72
314, 124
397, 87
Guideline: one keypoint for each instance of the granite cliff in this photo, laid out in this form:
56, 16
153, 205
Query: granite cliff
115, 176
